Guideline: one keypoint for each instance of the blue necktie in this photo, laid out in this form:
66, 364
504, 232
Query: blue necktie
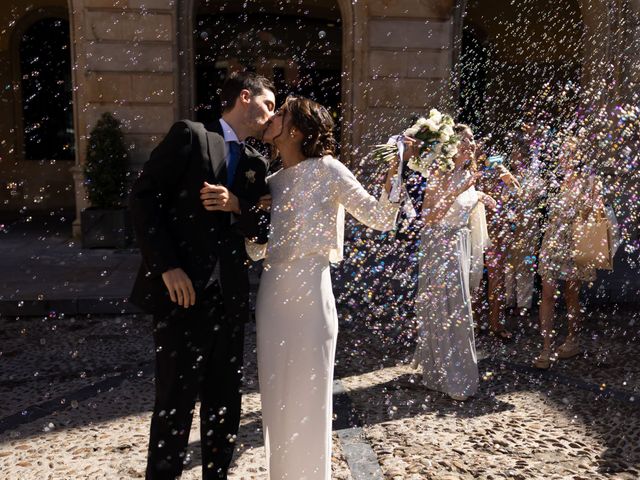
235, 150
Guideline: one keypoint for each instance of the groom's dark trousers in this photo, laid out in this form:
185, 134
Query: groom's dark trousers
198, 350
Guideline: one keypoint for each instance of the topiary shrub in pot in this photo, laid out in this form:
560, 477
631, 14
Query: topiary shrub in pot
106, 223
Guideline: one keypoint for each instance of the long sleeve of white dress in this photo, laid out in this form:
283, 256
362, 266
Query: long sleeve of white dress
377, 214
307, 213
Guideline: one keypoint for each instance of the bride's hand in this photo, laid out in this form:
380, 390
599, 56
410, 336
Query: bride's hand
411, 148
264, 203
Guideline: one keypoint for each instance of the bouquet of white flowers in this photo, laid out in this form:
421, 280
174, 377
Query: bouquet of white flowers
439, 144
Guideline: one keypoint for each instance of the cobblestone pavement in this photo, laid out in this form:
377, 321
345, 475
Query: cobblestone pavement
77, 393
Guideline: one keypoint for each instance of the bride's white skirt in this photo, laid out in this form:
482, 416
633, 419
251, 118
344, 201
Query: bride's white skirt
297, 327
446, 347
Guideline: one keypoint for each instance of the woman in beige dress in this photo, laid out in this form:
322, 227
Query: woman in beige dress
578, 194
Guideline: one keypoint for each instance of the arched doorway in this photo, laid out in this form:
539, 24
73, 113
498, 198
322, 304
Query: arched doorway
515, 55
38, 147
299, 46
46, 90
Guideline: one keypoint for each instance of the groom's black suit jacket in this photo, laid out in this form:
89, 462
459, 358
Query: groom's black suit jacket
173, 228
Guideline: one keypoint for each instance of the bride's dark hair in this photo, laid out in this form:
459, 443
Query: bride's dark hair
315, 123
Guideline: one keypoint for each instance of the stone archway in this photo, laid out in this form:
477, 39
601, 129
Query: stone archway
186, 72
36, 177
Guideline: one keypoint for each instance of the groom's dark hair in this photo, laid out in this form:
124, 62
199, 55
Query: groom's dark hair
238, 81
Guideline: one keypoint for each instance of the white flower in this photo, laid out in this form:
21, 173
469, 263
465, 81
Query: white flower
414, 164
432, 125
450, 150
447, 120
412, 132
421, 122
444, 136
435, 115
447, 129
446, 165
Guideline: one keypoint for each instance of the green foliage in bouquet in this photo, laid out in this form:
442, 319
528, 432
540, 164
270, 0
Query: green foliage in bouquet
106, 167
439, 144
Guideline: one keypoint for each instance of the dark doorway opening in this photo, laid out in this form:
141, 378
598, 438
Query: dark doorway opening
46, 89
299, 48
517, 59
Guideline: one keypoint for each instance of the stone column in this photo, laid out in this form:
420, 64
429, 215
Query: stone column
407, 64
125, 64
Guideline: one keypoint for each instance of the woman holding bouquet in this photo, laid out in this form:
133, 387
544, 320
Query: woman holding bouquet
579, 193
446, 346
297, 322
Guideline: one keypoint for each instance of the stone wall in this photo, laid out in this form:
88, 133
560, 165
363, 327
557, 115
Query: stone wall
126, 65
406, 60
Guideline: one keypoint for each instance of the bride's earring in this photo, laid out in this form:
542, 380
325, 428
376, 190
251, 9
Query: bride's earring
292, 133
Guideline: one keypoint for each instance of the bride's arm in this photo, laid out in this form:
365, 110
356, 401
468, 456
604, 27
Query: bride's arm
377, 214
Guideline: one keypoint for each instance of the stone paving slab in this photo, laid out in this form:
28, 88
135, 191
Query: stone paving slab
92, 379
94, 387
50, 272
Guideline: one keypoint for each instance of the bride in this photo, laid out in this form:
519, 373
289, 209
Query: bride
297, 322
446, 347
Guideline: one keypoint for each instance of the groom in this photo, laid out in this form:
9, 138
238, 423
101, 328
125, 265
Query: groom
193, 277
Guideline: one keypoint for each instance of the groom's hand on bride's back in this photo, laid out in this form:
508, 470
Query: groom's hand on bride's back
180, 287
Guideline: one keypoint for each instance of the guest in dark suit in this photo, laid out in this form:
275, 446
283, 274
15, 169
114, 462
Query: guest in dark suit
194, 278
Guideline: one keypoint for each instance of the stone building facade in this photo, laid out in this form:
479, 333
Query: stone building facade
135, 58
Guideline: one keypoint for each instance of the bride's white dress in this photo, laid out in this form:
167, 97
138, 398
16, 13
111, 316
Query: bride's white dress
297, 322
446, 348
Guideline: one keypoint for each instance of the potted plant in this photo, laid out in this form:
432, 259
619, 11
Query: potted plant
106, 223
